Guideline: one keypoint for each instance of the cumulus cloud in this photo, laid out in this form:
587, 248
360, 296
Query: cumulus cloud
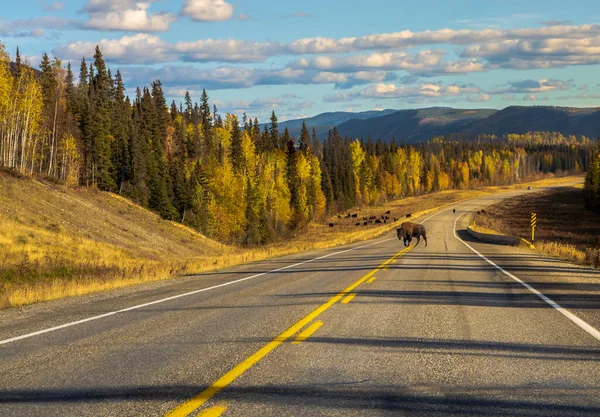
31, 27
125, 15
137, 49
207, 10
145, 48
229, 77
222, 77
534, 86
484, 50
426, 63
530, 54
392, 91
226, 50
409, 39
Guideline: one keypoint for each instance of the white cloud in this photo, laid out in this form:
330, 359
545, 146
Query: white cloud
530, 97
392, 91
330, 77
33, 27
227, 77
409, 39
131, 20
426, 62
125, 15
226, 50
139, 49
533, 86
208, 10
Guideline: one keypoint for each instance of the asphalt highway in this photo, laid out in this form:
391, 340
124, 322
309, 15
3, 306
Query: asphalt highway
457, 328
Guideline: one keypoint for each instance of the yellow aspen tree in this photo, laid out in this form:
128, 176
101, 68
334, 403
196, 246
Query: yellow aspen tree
317, 201
358, 157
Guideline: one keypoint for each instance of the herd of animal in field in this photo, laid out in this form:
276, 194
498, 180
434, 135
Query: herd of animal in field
406, 232
366, 220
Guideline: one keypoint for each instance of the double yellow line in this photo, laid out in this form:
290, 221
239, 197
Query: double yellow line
199, 400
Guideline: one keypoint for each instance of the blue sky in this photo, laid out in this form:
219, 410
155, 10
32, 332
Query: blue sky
305, 58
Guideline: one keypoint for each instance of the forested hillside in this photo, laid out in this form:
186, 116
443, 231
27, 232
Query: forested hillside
225, 176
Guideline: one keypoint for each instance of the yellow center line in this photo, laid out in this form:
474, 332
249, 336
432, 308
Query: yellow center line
348, 298
371, 280
305, 334
196, 402
215, 411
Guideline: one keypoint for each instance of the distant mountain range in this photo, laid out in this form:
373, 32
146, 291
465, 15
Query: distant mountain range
423, 124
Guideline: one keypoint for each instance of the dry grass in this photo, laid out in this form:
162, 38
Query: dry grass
564, 228
57, 242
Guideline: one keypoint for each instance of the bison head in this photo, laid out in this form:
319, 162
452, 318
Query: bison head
401, 233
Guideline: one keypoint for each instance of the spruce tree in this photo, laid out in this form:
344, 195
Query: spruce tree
591, 189
237, 157
206, 120
304, 138
98, 131
273, 132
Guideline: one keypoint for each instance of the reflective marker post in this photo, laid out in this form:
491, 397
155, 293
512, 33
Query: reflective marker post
533, 223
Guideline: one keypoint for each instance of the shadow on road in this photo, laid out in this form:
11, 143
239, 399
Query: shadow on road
531, 401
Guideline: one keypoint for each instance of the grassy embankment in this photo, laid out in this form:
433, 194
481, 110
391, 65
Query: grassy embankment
57, 242
565, 229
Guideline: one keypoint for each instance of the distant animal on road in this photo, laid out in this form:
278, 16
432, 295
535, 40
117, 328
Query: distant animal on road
408, 230
453, 210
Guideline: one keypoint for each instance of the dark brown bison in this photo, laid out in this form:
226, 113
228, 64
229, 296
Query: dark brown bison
408, 230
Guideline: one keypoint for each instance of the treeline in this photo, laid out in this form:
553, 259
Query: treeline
225, 176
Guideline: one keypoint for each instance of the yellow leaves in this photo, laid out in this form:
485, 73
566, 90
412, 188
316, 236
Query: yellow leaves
358, 155
71, 160
249, 154
390, 185
223, 137
464, 174
228, 206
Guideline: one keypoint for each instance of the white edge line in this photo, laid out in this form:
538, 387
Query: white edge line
579, 322
101, 316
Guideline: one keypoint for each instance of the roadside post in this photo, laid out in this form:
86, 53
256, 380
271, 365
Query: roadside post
533, 223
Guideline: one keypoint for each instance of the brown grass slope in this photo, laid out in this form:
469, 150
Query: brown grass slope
56, 242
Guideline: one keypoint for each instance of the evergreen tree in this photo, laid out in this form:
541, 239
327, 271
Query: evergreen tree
98, 130
236, 155
591, 188
121, 133
206, 120
253, 235
304, 138
273, 132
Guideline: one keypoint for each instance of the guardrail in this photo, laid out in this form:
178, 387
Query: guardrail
497, 239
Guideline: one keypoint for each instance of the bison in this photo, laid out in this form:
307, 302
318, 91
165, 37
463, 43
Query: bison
408, 230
